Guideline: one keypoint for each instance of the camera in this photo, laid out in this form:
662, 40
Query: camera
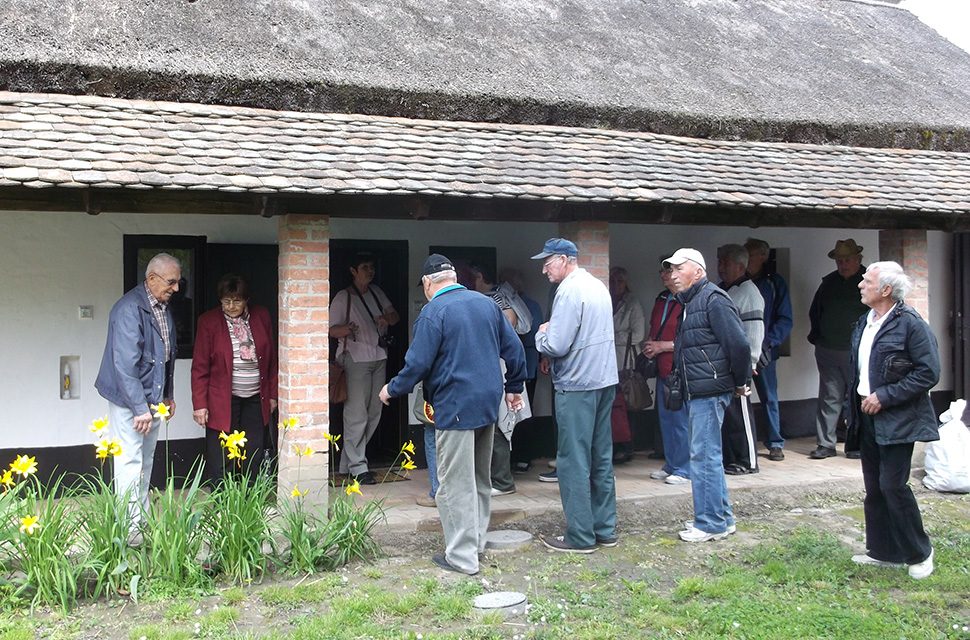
385, 341
673, 394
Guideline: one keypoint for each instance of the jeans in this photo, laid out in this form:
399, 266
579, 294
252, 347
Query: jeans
766, 382
712, 507
133, 468
673, 428
430, 454
585, 465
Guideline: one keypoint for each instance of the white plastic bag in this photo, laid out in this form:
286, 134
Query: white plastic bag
948, 459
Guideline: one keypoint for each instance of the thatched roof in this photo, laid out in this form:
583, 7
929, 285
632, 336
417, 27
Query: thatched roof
110, 145
827, 71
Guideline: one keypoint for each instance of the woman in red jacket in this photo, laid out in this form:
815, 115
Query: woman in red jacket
234, 375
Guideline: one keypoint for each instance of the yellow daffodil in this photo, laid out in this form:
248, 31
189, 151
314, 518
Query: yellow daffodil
102, 448
98, 425
333, 440
114, 447
289, 423
28, 524
296, 493
408, 447
7, 478
353, 487
233, 440
408, 464
24, 465
303, 451
161, 410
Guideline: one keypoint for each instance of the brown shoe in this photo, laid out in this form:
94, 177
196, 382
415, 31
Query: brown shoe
426, 501
776, 454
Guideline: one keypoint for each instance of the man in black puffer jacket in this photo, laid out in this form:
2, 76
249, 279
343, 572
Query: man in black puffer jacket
895, 361
713, 363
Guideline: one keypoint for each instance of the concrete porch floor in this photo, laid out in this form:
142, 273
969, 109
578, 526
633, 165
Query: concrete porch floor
633, 485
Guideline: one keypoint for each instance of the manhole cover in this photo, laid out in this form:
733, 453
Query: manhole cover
507, 539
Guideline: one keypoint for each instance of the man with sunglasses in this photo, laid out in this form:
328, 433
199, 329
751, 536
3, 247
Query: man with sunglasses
137, 372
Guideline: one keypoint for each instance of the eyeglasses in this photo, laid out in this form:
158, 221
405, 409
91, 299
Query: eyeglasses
232, 302
550, 260
169, 281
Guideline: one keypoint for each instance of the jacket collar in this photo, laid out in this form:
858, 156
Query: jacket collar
684, 297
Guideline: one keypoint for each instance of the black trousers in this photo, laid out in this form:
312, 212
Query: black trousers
739, 444
894, 527
247, 415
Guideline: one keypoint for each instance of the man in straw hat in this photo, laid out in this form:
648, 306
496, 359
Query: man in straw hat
834, 312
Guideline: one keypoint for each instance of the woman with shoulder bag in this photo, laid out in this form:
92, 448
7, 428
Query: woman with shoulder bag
664, 320
628, 326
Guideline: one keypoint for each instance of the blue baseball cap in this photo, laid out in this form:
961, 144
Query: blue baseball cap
557, 247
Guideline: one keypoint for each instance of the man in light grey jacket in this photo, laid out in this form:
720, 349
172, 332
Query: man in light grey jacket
578, 341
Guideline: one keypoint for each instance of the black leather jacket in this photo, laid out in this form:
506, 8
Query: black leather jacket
903, 366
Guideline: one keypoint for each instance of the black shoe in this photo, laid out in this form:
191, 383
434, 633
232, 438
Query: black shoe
521, 467
738, 470
776, 454
365, 478
853, 455
656, 455
622, 457
607, 542
439, 559
821, 453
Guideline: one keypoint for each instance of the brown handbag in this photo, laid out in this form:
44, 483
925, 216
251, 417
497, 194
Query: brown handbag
337, 382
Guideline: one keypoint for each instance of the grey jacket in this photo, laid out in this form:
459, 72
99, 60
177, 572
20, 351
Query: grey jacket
579, 338
133, 372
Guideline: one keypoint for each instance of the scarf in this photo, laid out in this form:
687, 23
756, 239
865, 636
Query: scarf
240, 329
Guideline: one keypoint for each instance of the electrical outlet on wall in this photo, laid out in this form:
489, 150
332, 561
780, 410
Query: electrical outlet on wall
85, 312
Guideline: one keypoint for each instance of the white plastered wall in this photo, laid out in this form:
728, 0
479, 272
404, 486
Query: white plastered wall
53, 263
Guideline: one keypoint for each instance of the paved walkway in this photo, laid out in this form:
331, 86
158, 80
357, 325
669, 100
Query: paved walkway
633, 484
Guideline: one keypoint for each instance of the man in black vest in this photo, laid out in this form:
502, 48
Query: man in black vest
713, 364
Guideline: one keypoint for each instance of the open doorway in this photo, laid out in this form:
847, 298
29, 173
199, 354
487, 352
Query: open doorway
391, 266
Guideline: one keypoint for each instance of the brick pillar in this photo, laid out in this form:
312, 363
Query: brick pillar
592, 238
304, 273
908, 248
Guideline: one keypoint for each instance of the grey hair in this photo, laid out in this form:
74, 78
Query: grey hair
891, 275
442, 276
755, 245
570, 259
734, 253
160, 261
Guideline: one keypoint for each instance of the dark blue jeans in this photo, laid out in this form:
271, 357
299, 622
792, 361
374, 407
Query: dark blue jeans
766, 382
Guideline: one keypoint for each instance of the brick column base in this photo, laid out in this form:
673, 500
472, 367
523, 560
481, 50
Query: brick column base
908, 247
592, 238
304, 273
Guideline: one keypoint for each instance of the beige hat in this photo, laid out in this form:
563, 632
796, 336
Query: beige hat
845, 249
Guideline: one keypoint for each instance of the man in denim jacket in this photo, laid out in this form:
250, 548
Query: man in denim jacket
895, 361
137, 372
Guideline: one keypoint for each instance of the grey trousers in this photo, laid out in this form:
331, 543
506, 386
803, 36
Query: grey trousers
834, 377
465, 494
502, 463
133, 468
362, 411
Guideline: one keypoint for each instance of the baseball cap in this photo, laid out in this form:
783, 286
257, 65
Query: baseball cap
684, 254
557, 247
435, 263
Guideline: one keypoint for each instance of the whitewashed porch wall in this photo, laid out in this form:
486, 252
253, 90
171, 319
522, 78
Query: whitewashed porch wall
52, 263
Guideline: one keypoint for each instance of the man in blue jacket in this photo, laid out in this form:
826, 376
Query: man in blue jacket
458, 339
895, 362
713, 363
137, 372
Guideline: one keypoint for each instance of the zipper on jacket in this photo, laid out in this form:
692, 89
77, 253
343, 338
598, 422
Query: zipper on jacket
711, 364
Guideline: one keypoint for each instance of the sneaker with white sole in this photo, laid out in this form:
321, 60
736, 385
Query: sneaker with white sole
696, 535
502, 492
558, 543
866, 559
731, 530
659, 474
922, 569
549, 476
675, 479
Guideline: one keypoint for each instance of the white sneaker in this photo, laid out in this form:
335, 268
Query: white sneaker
499, 492
659, 474
675, 479
866, 559
696, 535
922, 569
732, 528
